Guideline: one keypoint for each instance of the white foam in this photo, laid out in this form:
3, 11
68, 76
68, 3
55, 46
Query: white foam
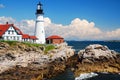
86, 75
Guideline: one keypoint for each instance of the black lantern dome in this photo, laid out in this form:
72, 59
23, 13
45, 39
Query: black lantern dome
39, 9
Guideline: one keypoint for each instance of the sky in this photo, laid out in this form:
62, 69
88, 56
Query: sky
71, 19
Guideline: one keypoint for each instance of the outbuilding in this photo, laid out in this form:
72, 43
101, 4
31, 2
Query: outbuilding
54, 39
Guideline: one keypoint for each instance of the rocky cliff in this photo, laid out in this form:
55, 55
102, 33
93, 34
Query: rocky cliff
24, 62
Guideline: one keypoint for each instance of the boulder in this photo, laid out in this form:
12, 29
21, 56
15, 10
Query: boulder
62, 52
96, 52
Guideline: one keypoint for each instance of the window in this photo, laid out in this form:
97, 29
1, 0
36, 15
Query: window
9, 32
17, 38
14, 38
12, 32
6, 37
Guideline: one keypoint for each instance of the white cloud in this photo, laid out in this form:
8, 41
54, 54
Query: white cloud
77, 30
47, 21
27, 26
2, 6
4, 19
115, 34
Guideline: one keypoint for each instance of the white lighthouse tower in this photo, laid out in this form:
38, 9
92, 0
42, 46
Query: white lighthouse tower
39, 26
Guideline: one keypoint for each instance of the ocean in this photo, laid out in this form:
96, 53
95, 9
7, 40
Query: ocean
79, 45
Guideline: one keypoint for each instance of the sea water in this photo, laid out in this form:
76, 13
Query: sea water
79, 45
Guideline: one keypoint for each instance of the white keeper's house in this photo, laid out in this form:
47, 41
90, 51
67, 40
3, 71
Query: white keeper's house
12, 33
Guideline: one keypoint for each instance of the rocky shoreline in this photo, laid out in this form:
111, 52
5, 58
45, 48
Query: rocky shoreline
21, 62
31, 63
33, 73
97, 58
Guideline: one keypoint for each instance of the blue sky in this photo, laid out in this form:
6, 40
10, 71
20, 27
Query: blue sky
104, 13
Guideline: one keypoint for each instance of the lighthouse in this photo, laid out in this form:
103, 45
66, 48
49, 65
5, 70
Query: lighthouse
39, 25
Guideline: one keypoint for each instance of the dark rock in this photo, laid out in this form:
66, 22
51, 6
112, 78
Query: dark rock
9, 56
42, 48
87, 61
3, 45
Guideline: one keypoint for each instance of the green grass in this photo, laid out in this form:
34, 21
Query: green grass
32, 44
10, 42
48, 47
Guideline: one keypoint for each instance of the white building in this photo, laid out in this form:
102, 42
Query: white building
39, 26
12, 33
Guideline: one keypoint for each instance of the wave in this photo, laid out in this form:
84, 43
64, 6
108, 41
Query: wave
86, 76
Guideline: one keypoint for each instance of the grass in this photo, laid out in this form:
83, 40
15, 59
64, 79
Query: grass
10, 42
47, 47
32, 44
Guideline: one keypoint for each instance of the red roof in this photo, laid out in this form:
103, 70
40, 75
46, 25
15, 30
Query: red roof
18, 30
25, 36
33, 37
54, 37
5, 27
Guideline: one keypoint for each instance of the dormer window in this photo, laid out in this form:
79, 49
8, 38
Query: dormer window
9, 32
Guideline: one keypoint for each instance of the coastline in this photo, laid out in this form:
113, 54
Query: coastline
45, 66
97, 58
20, 61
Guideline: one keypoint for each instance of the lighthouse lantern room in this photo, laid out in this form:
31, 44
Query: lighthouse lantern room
39, 26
